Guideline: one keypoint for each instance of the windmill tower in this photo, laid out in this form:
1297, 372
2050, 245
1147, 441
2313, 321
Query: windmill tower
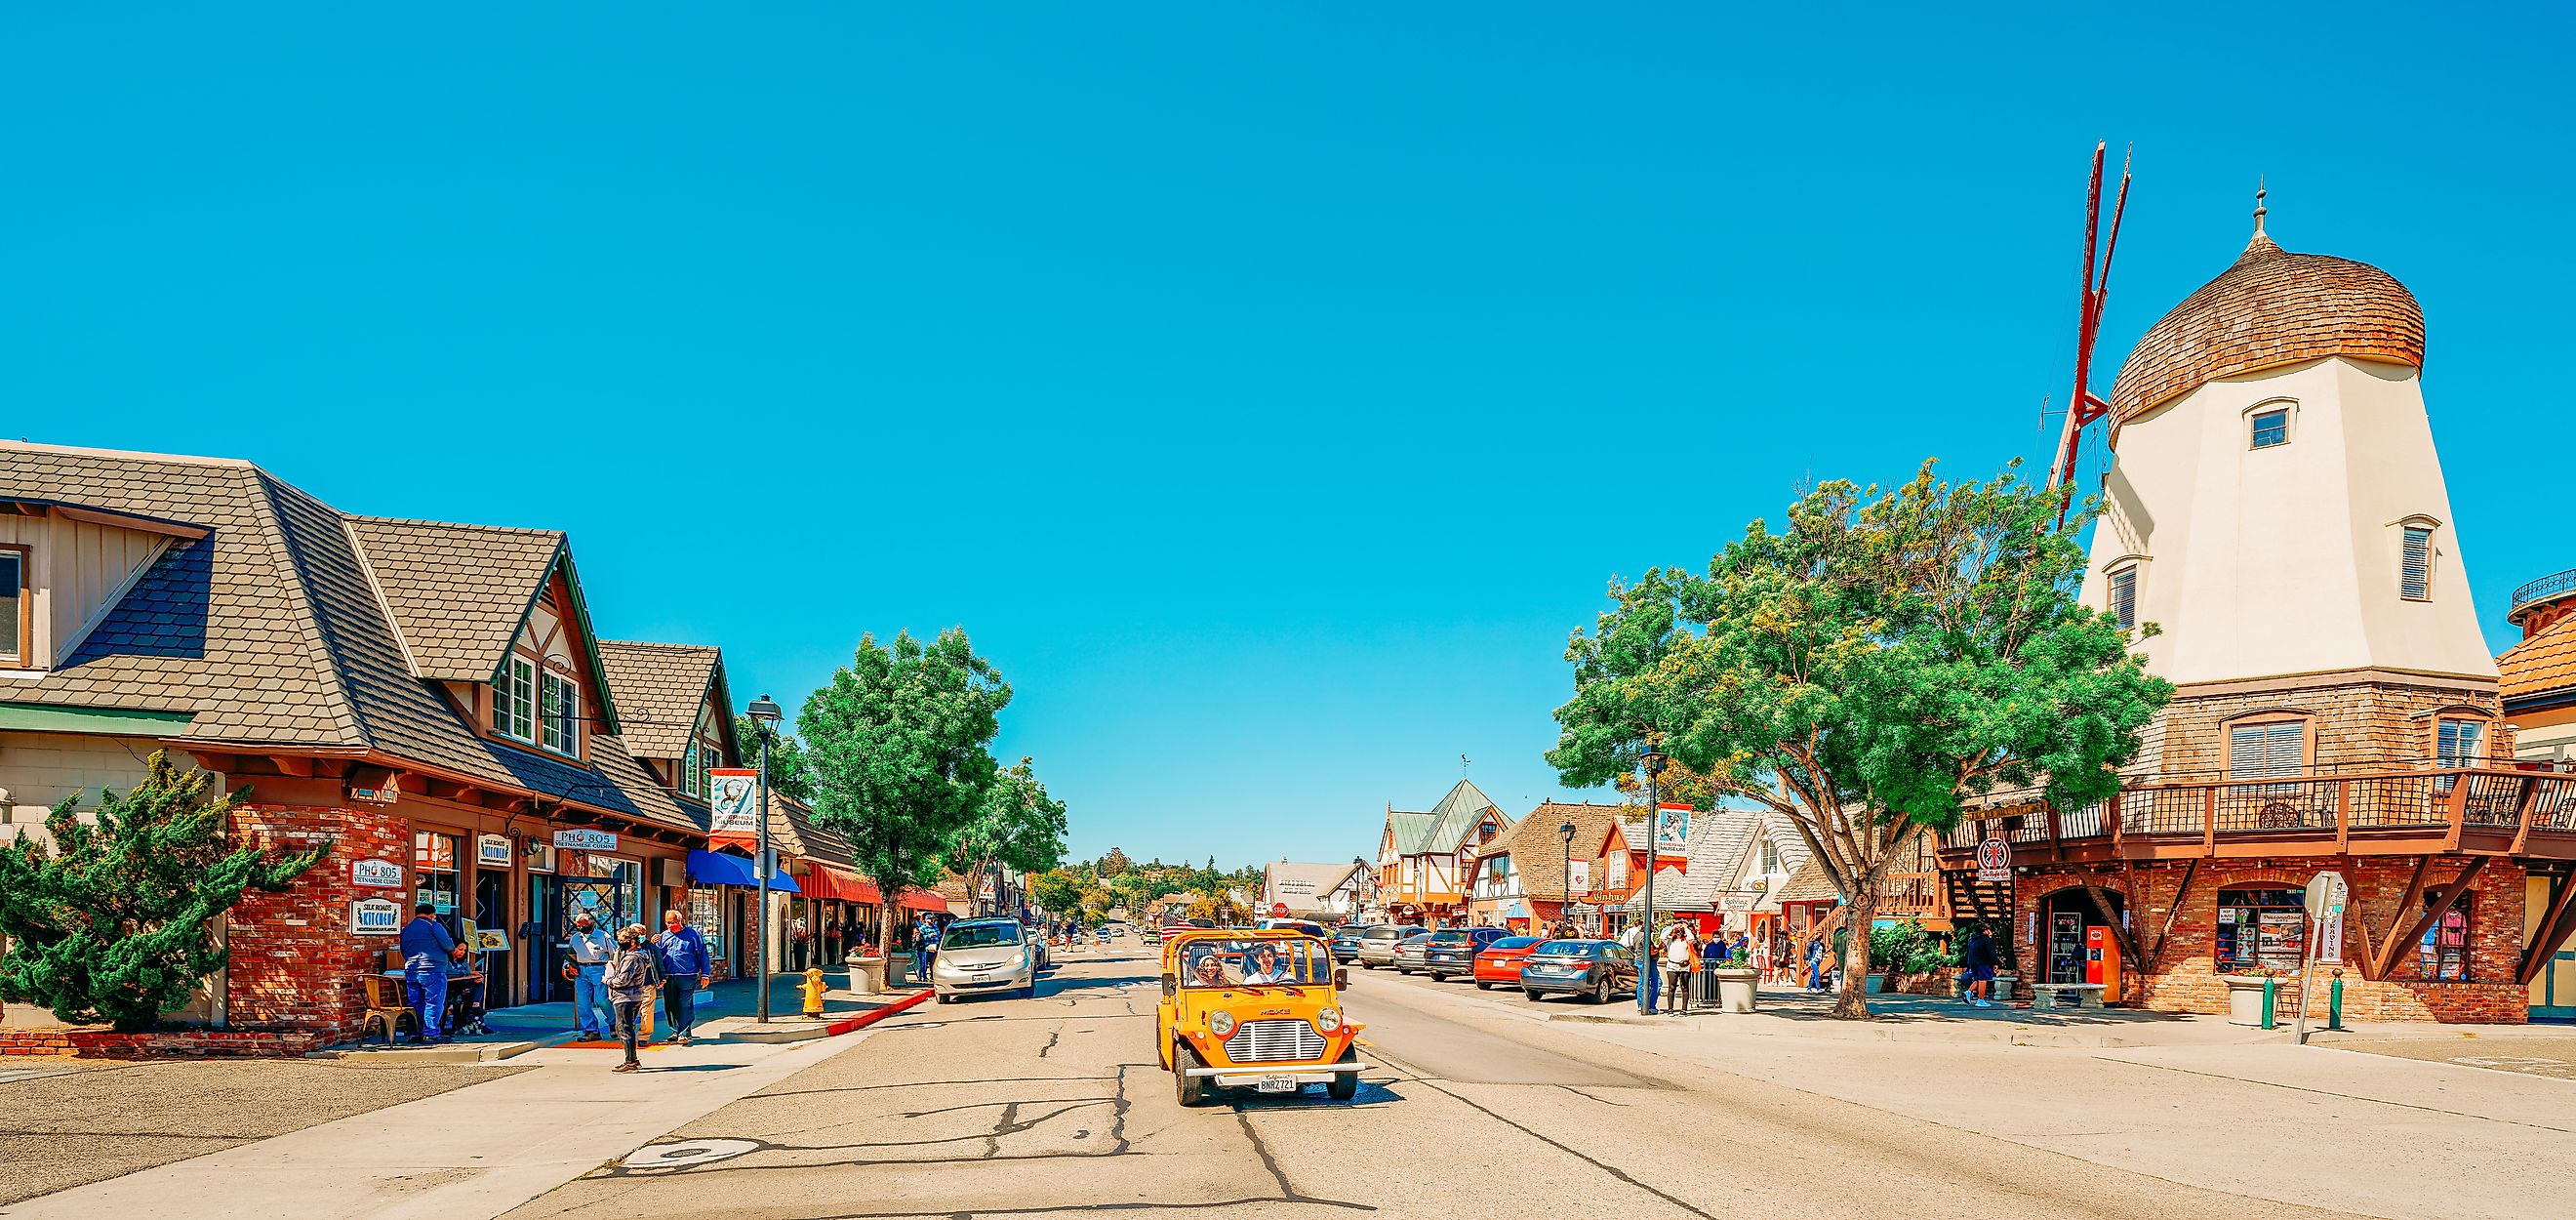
2275, 506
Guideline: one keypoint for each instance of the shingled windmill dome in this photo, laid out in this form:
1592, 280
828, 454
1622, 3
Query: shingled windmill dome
2270, 309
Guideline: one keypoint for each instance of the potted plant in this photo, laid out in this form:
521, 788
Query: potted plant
2245, 993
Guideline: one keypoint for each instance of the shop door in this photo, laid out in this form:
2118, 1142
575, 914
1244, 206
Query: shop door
2067, 914
2553, 994
492, 910
541, 941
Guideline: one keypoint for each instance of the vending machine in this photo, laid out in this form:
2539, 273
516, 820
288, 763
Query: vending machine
2102, 961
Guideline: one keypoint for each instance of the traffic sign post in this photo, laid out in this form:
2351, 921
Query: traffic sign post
2327, 894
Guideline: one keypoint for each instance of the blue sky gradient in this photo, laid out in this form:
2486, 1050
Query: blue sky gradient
1268, 390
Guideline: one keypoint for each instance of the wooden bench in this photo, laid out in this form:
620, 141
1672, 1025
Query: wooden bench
2052, 995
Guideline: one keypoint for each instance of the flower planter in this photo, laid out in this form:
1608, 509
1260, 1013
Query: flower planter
1873, 984
2244, 999
1735, 989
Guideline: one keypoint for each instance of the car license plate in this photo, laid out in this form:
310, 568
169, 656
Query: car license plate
1275, 1084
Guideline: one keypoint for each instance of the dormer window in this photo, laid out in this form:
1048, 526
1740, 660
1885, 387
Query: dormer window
559, 713
2415, 567
514, 700
16, 631
702, 755
1770, 856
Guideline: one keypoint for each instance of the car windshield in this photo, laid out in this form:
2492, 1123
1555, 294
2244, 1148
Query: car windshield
1451, 936
1569, 948
1253, 963
1514, 942
979, 935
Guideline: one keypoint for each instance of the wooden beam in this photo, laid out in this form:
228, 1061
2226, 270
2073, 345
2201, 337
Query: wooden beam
2522, 816
2156, 956
2457, 809
2554, 929
2360, 925
2343, 815
2432, 915
289, 764
220, 764
2119, 926
2379, 965
451, 790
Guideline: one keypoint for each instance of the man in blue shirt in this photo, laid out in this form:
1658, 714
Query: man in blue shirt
589, 950
682, 952
426, 948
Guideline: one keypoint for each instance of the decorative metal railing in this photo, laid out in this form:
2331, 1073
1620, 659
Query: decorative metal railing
2554, 585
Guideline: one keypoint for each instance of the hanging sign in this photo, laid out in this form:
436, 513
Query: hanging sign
375, 917
1578, 876
1672, 829
1735, 903
1994, 860
376, 874
493, 850
730, 796
586, 840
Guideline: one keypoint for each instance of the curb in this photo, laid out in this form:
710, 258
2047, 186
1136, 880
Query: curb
472, 1052
808, 1031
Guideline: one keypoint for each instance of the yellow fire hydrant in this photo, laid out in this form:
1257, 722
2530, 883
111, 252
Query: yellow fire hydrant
813, 993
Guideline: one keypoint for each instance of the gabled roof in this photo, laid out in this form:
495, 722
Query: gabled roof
662, 687
1538, 848
1809, 884
268, 633
1412, 831
1325, 878
1715, 835
458, 593
1457, 814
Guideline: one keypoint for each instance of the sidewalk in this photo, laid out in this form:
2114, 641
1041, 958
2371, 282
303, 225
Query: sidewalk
721, 1010
469, 1154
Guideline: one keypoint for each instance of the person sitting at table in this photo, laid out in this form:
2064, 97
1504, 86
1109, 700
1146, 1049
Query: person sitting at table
426, 950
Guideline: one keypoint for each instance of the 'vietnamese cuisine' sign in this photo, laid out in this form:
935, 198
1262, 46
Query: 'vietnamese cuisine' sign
376, 874
586, 840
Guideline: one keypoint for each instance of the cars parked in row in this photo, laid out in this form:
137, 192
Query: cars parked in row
1500, 963
1408, 955
1377, 945
1596, 968
1451, 952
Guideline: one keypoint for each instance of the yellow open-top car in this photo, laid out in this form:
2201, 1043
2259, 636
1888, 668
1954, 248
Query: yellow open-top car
1253, 1009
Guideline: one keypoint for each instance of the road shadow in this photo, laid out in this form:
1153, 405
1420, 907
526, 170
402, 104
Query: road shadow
1312, 1098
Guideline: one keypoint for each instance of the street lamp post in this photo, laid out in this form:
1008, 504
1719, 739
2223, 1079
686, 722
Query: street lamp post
1653, 759
1565, 880
764, 713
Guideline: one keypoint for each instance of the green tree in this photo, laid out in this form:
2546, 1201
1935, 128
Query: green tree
1889, 656
1056, 892
1221, 910
896, 745
1114, 864
789, 775
1017, 826
115, 921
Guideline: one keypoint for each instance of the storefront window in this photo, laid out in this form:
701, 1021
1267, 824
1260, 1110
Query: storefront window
436, 876
2258, 928
629, 875
2444, 952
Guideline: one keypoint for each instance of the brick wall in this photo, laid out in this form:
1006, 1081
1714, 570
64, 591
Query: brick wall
88, 1043
2188, 980
2357, 725
295, 965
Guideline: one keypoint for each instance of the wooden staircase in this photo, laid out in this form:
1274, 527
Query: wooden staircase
1987, 901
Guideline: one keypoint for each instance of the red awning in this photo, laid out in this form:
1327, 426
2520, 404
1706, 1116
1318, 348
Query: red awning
924, 900
832, 884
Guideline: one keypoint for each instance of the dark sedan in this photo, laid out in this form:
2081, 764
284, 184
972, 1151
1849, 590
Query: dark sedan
1452, 951
1597, 968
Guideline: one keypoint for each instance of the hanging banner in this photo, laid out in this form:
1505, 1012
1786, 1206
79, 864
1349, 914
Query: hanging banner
1672, 829
731, 793
1578, 877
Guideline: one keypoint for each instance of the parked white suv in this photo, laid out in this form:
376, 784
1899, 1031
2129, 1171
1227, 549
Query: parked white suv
983, 956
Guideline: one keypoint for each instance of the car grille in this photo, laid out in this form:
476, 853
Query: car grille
1274, 1042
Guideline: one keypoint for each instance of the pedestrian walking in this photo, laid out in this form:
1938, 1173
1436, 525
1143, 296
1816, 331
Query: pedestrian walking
1977, 965
589, 949
630, 976
426, 950
1816, 963
923, 934
1762, 961
1680, 956
681, 953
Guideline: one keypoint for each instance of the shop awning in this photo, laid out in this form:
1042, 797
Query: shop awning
1517, 910
718, 868
830, 884
923, 900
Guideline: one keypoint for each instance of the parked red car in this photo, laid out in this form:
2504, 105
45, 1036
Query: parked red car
1501, 961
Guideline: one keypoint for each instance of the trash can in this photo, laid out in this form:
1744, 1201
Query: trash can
1735, 989
867, 974
1703, 987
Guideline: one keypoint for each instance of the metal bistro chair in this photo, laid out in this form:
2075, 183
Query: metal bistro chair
388, 1009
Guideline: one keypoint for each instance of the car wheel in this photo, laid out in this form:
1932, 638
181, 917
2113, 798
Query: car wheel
946, 998
1601, 991
1346, 1085
1187, 1089
1484, 985
1531, 993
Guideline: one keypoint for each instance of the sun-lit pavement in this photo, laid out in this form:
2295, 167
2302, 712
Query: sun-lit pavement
1056, 1106
2530, 1055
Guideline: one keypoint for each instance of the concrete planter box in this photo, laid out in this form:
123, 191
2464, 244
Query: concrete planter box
867, 974
2244, 999
1735, 989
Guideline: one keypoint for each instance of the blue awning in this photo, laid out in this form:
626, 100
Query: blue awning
718, 868
1518, 910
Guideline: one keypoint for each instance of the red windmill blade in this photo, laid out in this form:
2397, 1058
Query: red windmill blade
2084, 406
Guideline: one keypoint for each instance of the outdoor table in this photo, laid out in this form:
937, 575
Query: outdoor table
466, 1017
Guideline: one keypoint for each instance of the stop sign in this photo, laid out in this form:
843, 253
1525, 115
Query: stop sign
1279, 910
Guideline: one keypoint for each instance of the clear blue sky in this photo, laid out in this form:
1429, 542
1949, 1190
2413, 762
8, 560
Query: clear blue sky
1267, 388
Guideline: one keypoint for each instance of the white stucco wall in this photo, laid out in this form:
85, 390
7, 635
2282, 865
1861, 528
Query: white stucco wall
2284, 560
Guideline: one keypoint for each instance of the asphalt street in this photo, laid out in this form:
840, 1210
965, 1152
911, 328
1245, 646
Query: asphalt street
1056, 1107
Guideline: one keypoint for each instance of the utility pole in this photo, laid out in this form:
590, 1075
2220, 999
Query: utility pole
1653, 759
764, 713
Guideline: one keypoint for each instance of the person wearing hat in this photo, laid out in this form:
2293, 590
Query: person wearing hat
589, 950
426, 948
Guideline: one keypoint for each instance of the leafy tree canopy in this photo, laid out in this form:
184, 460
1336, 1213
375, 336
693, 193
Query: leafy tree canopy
789, 775
1017, 825
1889, 656
115, 921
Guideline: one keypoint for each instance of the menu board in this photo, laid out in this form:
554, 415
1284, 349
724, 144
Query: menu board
2281, 939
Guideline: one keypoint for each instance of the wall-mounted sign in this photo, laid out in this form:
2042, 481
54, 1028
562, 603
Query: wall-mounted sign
586, 840
1734, 902
375, 917
730, 793
376, 874
493, 850
541, 857
1994, 860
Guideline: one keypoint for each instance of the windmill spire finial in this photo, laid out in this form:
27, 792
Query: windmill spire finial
2259, 209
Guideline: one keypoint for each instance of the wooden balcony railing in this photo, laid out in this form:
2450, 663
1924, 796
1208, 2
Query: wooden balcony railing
1911, 896
2380, 812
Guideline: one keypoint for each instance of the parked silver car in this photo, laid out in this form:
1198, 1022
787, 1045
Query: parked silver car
985, 956
1410, 952
1377, 945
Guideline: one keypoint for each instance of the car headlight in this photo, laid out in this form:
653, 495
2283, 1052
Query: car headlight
1221, 1023
1328, 1019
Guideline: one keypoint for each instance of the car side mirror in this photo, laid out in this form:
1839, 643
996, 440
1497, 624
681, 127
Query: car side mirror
1341, 979
1171, 985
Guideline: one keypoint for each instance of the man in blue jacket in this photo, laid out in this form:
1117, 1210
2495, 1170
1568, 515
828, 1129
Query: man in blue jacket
682, 953
426, 948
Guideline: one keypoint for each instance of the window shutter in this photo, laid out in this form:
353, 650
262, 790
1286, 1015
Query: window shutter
2416, 579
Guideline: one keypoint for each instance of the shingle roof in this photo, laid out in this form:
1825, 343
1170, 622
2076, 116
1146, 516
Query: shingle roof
1323, 878
1538, 851
2542, 664
1809, 884
268, 632
2271, 308
1716, 838
458, 593
660, 688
